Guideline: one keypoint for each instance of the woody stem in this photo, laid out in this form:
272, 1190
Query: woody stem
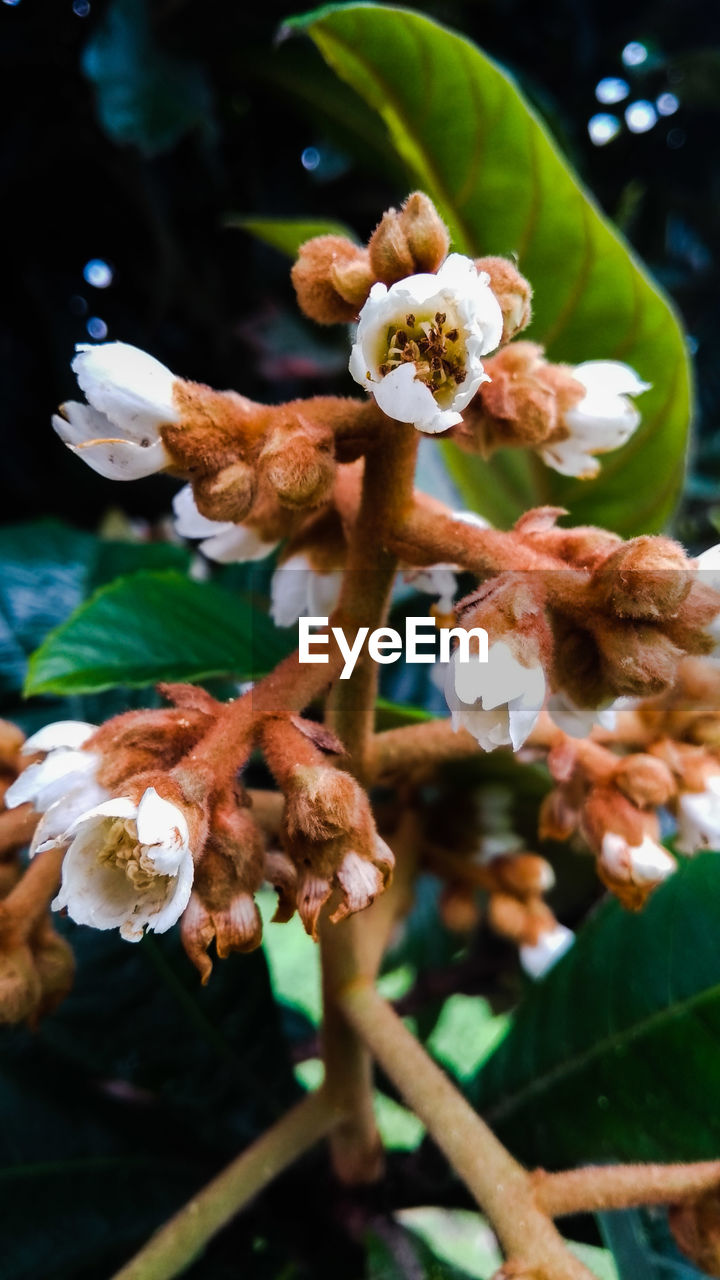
348, 950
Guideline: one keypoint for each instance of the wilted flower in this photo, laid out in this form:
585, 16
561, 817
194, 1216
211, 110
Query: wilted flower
129, 865
603, 420
419, 344
538, 958
632, 871
63, 785
299, 590
698, 818
579, 722
497, 701
130, 396
222, 541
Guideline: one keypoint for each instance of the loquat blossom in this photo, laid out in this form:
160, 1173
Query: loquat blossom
130, 396
419, 344
497, 701
129, 866
63, 785
222, 541
644, 865
698, 818
299, 590
603, 420
538, 958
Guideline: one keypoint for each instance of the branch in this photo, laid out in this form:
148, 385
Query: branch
625, 1186
502, 1188
182, 1239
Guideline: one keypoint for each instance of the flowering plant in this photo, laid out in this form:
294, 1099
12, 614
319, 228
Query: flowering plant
576, 665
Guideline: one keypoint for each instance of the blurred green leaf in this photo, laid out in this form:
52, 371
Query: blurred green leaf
287, 234
145, 96
47, 569
616, 1054
156, 1082
463, 132
155, 626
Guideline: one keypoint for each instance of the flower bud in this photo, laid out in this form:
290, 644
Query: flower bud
298, 462
646, 781
606, 809
513, 292
525, 875
557, 819
647, 577
459, 910
20, 986
227, 494
638, 659
695, 1225
631, 872
332, 278
427, 236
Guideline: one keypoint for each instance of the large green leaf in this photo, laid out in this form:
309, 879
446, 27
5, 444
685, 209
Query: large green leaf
464, 133
616, 1055
156, 626
286, 234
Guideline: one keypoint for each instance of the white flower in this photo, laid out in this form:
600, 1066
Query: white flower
603, 420
129, 865
223, 541
497, 701
130, 396
698, 818
579, 722
419, 344
65, 767
538, 959
298, 590
642, 864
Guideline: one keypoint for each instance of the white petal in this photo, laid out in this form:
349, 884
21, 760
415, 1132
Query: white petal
437, 580
132, 388
323, 592
177, 900
52, 778
54, 826
160, 822
289, 591
123, 459
237, 544
115, 807
472, 517
610, 376
189, 522
578, 722
538, 959
568, 459
61, 733
402, 396
78, 423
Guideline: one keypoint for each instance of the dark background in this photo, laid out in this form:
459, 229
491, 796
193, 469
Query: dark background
134, 129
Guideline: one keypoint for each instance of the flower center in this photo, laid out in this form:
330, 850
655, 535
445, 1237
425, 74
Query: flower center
122, 850
431, 346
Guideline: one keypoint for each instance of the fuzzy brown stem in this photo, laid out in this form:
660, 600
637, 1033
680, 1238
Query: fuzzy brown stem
172, 1249
597, 1188
501, 1186
17, 827
367, 586
28, 901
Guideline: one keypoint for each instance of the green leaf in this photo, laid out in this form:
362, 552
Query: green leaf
287, 234
46, 570
393, 715
462, 131
616, 1055
156, 626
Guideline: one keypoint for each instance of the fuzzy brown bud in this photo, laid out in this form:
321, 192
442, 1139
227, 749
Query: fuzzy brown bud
297, 461
525, 875
638, 659
647, 577
459, 910
557, 819
696, 1228
513, 292
520, 922
20, 986
55, 966
414, 239
227, 494
646, 781
332, 279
